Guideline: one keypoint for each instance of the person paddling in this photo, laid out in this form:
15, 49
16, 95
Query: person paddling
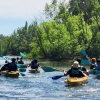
82, 68
21, 61
93, 63
10, 66
74, 71
34, 64
98, 65
17, 60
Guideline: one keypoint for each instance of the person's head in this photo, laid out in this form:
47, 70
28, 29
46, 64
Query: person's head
35, 60
93, 60
21, 58
98, 61
13, 59
6, 61
17, 58
79, 60
75, 64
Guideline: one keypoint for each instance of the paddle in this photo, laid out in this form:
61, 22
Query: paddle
22, 54
48, 69
85, 62
57, 77
84, 53
22, 70
6, 58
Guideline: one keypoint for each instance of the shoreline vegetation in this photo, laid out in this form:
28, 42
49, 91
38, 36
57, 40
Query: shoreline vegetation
66, 29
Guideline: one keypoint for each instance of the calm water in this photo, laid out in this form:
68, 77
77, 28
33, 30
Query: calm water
40, 86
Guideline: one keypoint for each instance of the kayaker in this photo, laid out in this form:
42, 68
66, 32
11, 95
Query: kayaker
11, 66
34, 64
74, 71
17, 60
21, 61
98, 65
93, 63
82, 68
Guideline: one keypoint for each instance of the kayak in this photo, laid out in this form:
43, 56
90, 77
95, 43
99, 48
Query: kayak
22, 65
76, 81
34, 71
94, 72
14, 74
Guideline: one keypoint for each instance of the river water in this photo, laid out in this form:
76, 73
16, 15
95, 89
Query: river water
40, 86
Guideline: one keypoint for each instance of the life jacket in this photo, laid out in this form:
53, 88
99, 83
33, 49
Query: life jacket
93, 65
12, 66
21, 62
76, 72
34, 66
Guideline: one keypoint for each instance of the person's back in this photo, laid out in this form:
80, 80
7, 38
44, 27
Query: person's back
17, 60
34, 64
74, 71
5, 67
10, 66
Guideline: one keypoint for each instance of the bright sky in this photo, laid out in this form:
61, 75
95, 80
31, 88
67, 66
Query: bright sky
14, 13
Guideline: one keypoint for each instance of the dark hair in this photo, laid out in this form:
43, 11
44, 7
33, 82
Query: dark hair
6, 61
93, 60
79, 60
13, 59
35, 61
17, 58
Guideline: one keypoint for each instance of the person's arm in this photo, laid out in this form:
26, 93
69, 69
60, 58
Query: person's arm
5, 67
65, 73
30, 64
81, 74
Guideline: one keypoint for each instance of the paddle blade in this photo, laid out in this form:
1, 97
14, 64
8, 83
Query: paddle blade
84, 53
57, 77
94, 72
22, 70
22, 54
1, 55
8, 59
85, 62
48, 69
22, 74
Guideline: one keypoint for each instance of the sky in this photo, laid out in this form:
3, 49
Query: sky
14, 13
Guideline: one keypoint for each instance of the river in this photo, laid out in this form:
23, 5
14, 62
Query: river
40, 86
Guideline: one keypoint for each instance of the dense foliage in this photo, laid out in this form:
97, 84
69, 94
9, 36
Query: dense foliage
66, 30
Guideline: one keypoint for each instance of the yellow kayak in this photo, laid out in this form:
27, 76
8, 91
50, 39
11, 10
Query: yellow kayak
14, 74
76, 81
34, 70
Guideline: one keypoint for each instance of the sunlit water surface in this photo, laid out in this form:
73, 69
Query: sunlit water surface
40, 86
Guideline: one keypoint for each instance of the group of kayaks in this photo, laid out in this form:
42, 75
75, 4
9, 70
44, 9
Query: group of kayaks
70, 80
15, 74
